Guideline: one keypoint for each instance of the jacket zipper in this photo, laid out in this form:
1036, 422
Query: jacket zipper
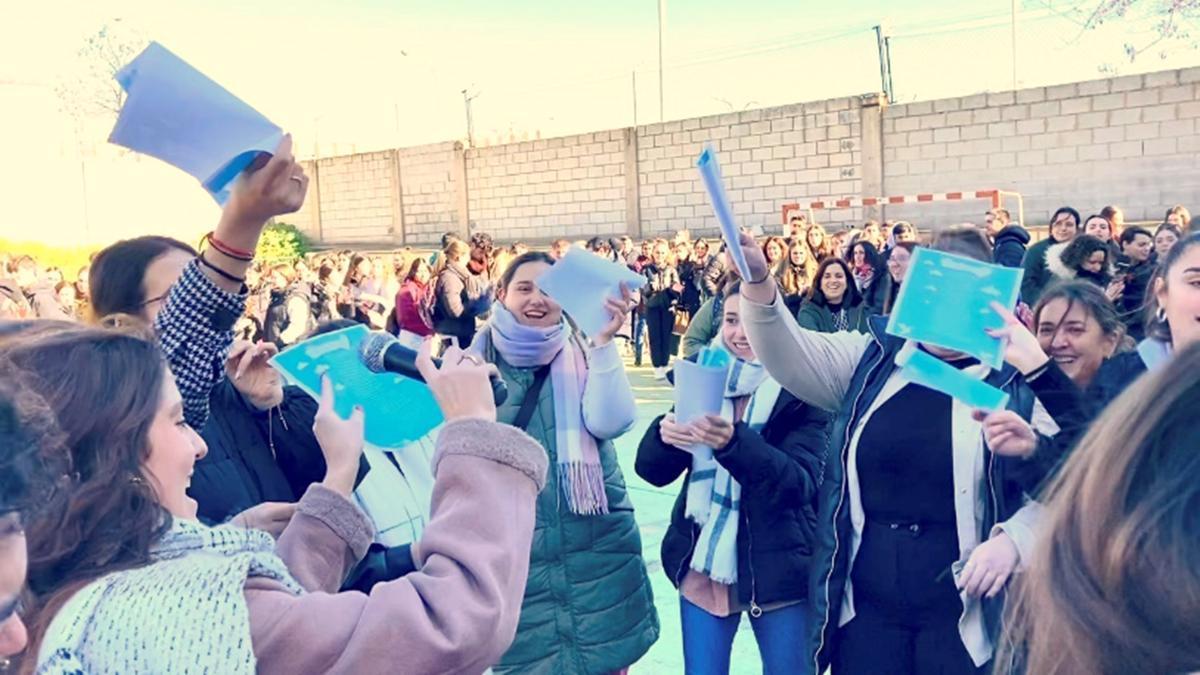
691, 552
837, 511
755, 610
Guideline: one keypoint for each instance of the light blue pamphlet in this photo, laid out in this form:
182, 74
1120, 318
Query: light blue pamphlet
397, 409
175, 113
582, 281
699, 391
946, 301
710, 174
929, 371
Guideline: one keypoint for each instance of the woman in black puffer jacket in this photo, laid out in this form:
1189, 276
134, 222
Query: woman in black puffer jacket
742, 528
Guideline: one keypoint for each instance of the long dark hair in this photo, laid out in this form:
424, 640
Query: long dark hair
30, 445
817, 295
115, 282
1113, 585
1081, 248
104, 387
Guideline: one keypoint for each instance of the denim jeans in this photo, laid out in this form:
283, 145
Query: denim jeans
782, 637
639, 333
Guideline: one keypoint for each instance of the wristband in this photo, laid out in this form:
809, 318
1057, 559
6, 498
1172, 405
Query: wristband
220, 272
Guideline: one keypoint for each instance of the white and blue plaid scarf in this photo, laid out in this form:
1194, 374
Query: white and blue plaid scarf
713, 496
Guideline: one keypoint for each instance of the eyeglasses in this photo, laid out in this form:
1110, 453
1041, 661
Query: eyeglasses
154, 300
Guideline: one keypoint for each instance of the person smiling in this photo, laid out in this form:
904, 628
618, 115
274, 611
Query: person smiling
120, 529
1077, 325
757, 485
588, 608
833, 303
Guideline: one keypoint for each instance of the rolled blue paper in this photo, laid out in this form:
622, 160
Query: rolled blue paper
946, 301
929, 371
175, 113
710, 174
582, 281
396, 410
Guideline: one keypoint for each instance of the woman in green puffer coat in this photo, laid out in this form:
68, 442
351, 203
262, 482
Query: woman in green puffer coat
588, 607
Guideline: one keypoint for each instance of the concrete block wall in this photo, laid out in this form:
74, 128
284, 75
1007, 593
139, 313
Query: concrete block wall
428, 190
572, 186
797, 152
356, 195
1132, 141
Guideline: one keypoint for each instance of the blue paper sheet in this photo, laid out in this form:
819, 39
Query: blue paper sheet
397, 410
929, 371
710, 174
175, 113
699, 391
582, 281
946, 301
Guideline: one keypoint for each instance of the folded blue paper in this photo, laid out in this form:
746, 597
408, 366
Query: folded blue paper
710, 174
946, 301
929, 371
582, 281
397, 410
175, 113
699, 391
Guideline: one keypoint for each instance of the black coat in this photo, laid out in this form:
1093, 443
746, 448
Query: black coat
1008, 246
1113, 378
242, 470
778, 471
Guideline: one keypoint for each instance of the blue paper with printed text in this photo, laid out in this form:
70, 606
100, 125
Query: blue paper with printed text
397, 410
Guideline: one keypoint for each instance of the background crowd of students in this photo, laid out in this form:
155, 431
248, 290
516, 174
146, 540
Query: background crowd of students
862, 522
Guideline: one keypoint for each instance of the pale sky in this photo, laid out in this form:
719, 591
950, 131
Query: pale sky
357, 75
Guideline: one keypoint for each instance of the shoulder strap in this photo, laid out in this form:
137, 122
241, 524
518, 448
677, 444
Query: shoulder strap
531, 398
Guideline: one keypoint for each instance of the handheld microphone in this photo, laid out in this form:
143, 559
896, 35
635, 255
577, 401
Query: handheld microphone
382, 353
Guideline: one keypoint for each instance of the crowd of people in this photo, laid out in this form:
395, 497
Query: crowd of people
168, 503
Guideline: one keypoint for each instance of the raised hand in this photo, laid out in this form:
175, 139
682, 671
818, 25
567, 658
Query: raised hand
1021, 348
341, 441
248, 368
269, 189
461, 386
619, 308
759, 287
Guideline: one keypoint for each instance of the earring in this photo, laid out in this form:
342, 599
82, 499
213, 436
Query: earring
137, 480
1160, 315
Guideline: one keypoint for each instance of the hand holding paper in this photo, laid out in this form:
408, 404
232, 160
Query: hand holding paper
584, 283
1021, 347
699, 391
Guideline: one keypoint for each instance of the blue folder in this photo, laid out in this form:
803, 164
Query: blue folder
946, 301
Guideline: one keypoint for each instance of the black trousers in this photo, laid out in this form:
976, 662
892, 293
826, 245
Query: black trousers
906, 605
659, 323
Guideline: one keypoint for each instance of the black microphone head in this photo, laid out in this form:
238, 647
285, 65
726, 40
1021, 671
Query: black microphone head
372, 349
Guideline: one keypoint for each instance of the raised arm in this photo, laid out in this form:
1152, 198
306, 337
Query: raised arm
815, 367
195, 326
609, 408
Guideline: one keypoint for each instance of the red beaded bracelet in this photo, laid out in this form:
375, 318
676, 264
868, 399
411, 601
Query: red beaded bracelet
235, 253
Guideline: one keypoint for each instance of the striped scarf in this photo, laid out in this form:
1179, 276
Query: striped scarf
580, 475
713, 496
184, 613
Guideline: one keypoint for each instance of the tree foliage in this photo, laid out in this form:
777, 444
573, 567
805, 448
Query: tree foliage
1172, 23
282, 242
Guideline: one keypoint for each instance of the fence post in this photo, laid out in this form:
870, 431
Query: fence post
871, 144
633, 200
458, 174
